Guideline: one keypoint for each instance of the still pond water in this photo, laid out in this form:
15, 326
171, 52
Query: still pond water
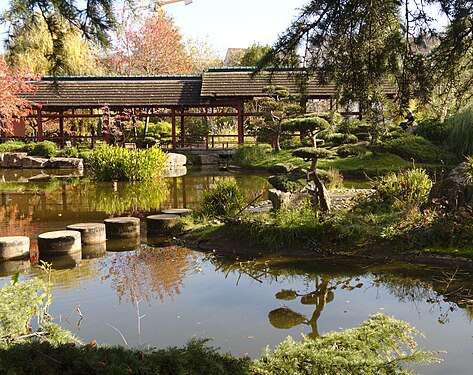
242, 305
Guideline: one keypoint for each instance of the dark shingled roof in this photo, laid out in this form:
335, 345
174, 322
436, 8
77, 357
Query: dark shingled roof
167, 91
118, 91
242, 83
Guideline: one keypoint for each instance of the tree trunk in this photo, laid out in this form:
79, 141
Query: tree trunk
321, 195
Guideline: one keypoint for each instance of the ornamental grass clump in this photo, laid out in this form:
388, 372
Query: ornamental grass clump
225, 200
110, 163
408, 188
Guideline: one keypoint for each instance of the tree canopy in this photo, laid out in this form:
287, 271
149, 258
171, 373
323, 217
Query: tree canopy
361, 45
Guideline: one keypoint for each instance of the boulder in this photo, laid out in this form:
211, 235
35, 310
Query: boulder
13, 159
34, 162
281, 199
453, 191
65, 163
208, 159
175, 160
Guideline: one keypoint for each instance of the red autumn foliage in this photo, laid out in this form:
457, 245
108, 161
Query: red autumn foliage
12, 85
152, 49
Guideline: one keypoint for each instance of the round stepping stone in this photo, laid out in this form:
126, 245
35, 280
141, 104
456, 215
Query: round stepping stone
159, 224
14, 247
122, 227
59, 242
177, 211
90, 233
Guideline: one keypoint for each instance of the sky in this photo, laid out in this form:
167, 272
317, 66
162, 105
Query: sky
230, 23
234, 23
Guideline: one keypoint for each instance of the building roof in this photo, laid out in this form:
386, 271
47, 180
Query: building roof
171, 91
83, 92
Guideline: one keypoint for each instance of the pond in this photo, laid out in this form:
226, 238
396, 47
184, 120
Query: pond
162, 296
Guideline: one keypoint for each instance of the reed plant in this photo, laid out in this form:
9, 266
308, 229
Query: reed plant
461, 134
225, 200
109, 163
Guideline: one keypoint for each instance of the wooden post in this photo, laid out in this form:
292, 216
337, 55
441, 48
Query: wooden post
182, 131
173, 123
240, 117
39, 122
61, 128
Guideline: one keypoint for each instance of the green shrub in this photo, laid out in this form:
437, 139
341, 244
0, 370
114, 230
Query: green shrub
224, 200
246, 156
433, 130
351, 150
68, 152
381, 345
12, 146
419, 149
404, 189
110, 163
287, 183
461, 134
46, 149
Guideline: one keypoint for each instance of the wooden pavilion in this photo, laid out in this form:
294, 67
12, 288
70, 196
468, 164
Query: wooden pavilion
217, 92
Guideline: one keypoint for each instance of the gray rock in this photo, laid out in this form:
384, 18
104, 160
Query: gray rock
13, 159
175, 160
453, 191
34, 162
281, 199
208, 159
65, 163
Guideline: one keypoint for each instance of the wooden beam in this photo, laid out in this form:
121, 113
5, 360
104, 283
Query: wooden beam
39, 122
241, 120
173, 123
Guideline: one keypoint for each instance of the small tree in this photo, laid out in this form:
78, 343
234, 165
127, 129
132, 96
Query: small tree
311, 125
276, 107
12, 105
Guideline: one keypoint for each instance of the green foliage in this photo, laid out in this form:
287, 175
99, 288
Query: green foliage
309, 153
351, 150
223, 201
247, 156
461, 135
23, 301
45, 149
196, 357
12, 146
305, 123
434, 130
380, 345
68, 152
408, 188
419, 149
287, 183
110, 163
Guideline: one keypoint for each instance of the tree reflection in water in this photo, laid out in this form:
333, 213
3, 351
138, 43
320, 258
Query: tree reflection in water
446, 291
151, 273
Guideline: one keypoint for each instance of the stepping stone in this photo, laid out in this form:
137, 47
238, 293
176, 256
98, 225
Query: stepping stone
14, 247
177, 211
122, 227
159, 224
90, 233
59, 242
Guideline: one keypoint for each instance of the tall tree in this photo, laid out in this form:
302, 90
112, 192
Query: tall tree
94, 18
155, 47
362, 45
202, 55
31, 46
12, 105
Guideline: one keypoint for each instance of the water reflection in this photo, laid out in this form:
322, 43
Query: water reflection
151, 273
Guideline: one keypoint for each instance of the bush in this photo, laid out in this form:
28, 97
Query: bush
223, 201
110, 163
433, 130
45, 149
461, 135
351, 150
10, 146
381, 345
419, 149
68, 152
246, 156
404, 189
287, 183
